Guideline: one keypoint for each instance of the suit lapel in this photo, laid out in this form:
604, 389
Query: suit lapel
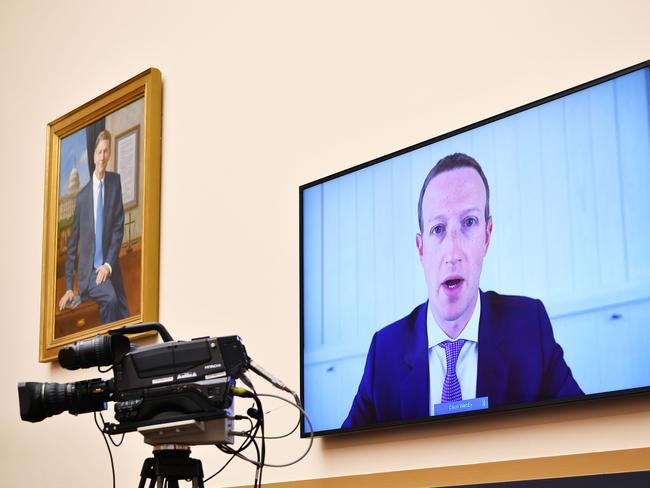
89, 212
108, 186
492, 378
414, 388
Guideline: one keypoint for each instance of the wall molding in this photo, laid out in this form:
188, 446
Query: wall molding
607, 462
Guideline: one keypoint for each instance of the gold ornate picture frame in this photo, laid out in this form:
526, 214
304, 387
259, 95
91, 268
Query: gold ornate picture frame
101, 225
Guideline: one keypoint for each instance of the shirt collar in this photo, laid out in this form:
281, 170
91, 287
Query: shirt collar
435, 334
96, 181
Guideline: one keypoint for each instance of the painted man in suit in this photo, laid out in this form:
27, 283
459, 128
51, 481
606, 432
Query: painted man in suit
97, 231
462, 343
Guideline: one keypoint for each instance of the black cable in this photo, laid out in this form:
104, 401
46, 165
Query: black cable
116, 444
251, 422
110, 437
258, 468
260, 453
298, 405
220, 469
256, 480
228, 450
263, 460
272, 437
260, 456
250, 439
234, 452
260, 461
110, 454
233, 455
259, 426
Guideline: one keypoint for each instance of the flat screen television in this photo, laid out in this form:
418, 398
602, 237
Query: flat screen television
420, 304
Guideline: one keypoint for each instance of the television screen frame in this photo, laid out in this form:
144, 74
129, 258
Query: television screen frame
304, 431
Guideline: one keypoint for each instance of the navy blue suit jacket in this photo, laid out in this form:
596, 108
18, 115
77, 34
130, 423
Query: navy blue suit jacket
518, 361
82, 236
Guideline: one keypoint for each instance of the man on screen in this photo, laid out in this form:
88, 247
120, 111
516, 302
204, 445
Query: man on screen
462, 343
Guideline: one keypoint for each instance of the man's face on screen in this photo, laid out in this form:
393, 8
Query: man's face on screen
454, 240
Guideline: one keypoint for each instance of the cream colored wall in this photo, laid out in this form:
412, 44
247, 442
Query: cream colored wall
260, 97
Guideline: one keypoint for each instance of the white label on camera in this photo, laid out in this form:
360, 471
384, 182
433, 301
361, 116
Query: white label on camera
182, 376
162, 380
215, 375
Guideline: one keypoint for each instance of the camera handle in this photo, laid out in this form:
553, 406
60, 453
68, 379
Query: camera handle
146, 327
169, 464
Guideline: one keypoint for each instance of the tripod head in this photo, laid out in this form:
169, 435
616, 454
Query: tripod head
169, 464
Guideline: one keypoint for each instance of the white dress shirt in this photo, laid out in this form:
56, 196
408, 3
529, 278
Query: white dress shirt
96, 183
467, 364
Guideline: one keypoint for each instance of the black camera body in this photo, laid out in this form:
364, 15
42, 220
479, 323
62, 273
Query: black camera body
177, 380
170, 381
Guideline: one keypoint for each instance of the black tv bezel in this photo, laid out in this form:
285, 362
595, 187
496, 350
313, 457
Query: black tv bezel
447, 135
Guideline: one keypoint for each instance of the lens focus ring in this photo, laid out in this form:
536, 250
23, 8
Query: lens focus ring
54, 398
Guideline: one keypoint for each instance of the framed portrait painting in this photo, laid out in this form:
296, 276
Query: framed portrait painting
101, 228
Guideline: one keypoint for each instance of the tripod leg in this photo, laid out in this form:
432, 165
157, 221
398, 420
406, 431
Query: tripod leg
143, 480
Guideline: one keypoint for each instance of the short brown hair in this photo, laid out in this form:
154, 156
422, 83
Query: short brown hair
454, 161
103, 136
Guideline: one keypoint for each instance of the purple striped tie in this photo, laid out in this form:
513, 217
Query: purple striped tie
451, 387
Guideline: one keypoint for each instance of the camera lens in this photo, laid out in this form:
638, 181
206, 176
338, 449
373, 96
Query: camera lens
102, 350
41, 400
36, 404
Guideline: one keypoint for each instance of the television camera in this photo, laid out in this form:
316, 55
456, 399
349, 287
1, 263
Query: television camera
175, 393
166, 382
